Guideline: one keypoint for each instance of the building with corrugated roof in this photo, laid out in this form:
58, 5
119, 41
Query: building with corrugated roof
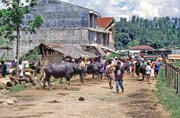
142, 48
108, 23
69, 24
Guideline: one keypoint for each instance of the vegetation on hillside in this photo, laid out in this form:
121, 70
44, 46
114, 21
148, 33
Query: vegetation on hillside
159, 32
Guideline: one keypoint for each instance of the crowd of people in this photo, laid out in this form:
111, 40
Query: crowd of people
115, 69
148, 69
8, 71
112, 69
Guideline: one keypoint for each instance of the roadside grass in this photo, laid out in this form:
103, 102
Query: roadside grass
167, 96
19, 88
177, 63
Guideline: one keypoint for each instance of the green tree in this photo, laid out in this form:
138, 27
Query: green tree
160, 32
12, 22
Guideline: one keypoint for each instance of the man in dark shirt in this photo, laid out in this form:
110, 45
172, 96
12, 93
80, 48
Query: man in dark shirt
138, 68
4, 69
119, 71
157, 68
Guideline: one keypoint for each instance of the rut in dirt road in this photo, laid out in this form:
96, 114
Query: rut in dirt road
142, 105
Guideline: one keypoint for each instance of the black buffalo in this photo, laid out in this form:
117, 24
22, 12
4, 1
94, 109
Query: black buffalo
95, 69
66, 70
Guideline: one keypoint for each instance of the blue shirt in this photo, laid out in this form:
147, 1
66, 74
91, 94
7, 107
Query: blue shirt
157, 66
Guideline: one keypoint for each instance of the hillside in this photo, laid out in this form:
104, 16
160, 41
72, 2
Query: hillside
158, 32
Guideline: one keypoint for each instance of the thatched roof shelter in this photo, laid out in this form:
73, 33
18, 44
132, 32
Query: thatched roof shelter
71, 50
54, 53
98, 49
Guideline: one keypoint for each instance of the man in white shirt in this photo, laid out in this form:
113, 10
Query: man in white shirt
148, 71
21, 68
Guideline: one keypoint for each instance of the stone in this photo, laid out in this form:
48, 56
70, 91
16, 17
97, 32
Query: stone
5, 104
6, 96
2, 100
10, 101
81, 99
14, 99
2, 86
53, 101
4, 91
1, 95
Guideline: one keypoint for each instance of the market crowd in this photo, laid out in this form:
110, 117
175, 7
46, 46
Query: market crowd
114, 69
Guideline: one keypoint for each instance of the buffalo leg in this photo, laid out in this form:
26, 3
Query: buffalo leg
67, 82
93, 75
60, 81
46, 79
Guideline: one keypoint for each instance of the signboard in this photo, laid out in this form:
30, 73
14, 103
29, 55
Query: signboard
174, 56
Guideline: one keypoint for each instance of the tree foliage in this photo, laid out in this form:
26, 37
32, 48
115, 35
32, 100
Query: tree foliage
159, 32
12, 21
33, 55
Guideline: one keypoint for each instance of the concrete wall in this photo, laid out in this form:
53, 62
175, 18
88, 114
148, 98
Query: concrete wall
61, 15
50, 35
64, 23
28, 41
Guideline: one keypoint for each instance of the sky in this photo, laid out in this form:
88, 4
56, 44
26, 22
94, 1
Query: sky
128, 8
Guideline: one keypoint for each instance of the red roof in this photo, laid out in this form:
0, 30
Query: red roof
142, 47
105, 21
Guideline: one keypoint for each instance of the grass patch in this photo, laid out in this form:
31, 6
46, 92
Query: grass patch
18, 88
168, 96
177, 63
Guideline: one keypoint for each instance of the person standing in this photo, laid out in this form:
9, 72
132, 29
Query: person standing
21, 69
148, 71
119, 77
152, 69
102, 68
4, 69
143, 69
81, 63
110, 73
157, 68
137, 68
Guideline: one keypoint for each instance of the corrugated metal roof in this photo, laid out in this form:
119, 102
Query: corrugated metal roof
102, 53
71, 50
142, 47
104, 22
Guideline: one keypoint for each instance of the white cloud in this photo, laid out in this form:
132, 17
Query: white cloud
146, 10
124, 8
128, 8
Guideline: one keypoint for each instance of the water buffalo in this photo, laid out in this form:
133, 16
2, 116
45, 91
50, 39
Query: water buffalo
92, 69
66, 70
95, 69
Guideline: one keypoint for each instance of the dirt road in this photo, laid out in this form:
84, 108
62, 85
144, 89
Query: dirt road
138, 101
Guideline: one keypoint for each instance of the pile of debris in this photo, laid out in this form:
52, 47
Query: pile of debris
5, 99
5, 83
